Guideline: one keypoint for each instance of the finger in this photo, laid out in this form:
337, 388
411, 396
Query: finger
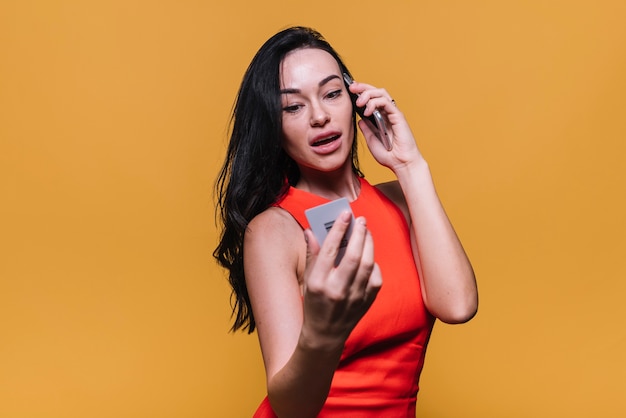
385, 103
312, 246
354, 249
369, 93
370, 136
373, 286
348, 266
365, 268
312, 251
334, 240
359, 88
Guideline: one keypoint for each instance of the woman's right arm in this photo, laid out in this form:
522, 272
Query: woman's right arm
302, 332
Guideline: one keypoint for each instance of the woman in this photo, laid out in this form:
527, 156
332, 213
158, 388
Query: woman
344, 340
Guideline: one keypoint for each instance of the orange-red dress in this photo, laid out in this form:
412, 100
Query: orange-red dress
383, 357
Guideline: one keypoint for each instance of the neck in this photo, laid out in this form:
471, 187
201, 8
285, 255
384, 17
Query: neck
331, 186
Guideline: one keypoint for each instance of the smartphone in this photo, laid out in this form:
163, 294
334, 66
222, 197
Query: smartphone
376, 119
321, 218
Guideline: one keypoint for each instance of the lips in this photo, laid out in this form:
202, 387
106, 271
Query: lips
325, 138
325, 141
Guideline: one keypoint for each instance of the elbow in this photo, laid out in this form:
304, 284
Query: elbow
459, 312
283, 412
460, 304
292, 407
459, 317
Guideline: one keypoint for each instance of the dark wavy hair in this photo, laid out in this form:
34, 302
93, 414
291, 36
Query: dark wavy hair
257, 171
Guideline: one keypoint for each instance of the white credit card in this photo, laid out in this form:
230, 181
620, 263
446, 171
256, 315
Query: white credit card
321, 218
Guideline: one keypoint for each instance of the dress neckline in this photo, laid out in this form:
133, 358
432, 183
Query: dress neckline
321, 199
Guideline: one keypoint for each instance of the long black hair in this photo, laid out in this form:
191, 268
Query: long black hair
257, 171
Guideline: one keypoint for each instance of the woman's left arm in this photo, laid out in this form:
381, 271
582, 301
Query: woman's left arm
448, 283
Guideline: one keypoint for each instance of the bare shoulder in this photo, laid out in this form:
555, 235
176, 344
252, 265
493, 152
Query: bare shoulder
274, 260
274, 238
393, 192
274, 226
271, 223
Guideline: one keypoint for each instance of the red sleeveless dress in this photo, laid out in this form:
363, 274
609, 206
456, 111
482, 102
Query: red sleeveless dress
383, 357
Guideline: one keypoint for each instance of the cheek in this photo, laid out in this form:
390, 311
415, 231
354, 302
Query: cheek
289, 139
292, 131
349, 121
286, 133
348, 114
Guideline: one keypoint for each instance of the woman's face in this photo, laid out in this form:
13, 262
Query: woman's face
316, 111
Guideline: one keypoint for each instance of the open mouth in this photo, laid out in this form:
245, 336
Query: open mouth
325, 141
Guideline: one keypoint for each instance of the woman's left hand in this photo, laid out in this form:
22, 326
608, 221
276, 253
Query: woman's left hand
404, 150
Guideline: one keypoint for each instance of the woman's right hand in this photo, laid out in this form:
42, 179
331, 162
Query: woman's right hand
305, 307
337, 297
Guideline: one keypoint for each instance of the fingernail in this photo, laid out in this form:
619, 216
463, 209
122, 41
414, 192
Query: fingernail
346, 216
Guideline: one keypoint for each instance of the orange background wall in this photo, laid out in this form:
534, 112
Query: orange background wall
113, 120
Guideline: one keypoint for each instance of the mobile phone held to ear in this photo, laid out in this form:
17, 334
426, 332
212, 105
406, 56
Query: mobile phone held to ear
376, 119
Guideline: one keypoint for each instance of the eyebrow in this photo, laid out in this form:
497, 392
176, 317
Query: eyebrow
320, 84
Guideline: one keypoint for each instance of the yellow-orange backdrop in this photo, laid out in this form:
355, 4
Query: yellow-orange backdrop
113, 120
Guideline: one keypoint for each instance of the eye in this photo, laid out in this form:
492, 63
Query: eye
334, 94
292, 108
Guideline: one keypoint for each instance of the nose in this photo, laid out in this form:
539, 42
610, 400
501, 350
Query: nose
319, 115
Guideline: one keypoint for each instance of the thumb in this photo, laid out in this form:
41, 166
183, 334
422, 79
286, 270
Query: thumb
312, 247
312, 250
370, 134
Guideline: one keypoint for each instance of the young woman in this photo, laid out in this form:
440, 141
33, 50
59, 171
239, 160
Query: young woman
346, 339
